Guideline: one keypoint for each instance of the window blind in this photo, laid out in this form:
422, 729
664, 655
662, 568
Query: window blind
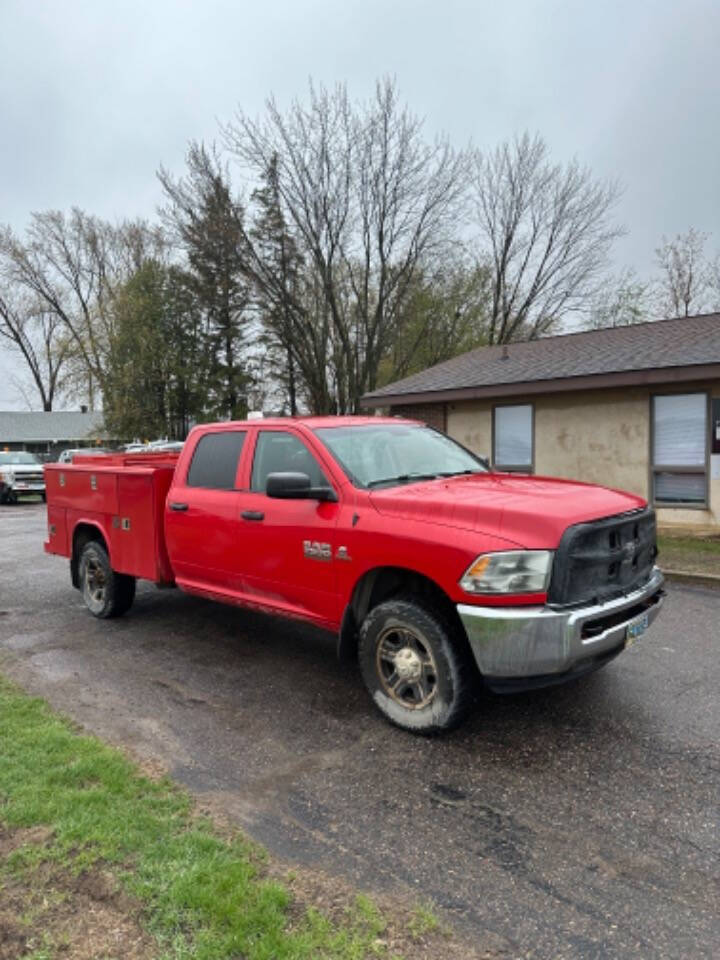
680, 487
680, 449
680, 430
513, 436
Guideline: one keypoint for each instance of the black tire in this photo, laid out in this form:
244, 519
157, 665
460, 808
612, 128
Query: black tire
416, 667
106, 593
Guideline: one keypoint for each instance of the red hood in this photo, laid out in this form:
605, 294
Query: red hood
533, 512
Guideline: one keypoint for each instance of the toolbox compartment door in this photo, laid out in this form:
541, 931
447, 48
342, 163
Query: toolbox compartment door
71, 486
57, 541
137, 536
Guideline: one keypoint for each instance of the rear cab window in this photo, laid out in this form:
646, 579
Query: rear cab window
215, 460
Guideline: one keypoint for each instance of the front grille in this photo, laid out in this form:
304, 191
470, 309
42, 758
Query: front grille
38, 477
604, 559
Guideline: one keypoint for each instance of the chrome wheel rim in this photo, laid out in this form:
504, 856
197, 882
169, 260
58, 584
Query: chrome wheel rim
406, 667
95, 582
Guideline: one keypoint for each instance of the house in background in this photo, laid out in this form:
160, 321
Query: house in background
46, 434
631, 407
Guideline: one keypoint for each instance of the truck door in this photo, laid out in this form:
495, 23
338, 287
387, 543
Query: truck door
290, 544
202, 513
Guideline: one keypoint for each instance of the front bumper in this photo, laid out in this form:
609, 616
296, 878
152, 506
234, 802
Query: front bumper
520, 647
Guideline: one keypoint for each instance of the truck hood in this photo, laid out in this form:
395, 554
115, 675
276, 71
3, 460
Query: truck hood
532, 512
21, 469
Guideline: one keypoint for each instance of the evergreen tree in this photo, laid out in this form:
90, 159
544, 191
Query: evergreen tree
208, 222
157, 356
277, 302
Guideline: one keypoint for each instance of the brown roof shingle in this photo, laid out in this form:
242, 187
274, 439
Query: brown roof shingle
663, 345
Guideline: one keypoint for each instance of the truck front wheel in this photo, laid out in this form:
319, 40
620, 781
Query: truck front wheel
416, 668
106, 593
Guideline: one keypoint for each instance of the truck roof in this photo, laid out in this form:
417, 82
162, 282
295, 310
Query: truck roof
315, 422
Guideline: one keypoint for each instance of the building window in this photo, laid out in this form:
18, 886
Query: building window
513, 437
679, 449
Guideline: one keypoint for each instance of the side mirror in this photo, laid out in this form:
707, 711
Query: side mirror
296, 486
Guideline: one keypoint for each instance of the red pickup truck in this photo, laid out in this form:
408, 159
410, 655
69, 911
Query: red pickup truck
435, 572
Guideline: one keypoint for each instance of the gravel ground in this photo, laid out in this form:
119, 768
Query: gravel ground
575, 822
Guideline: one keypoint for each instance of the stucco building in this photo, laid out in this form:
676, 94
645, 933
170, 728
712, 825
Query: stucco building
631, 407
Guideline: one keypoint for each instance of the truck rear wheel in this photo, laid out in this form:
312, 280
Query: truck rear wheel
416, 668
106, 593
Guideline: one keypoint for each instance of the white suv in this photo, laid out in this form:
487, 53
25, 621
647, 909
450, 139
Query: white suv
20, 473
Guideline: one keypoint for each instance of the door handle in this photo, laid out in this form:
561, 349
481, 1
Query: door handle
178, 506
252, 515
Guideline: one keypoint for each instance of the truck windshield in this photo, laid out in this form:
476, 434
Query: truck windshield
18, 456
390, 454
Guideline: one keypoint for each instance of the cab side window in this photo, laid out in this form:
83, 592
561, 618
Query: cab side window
215, 461
279, 452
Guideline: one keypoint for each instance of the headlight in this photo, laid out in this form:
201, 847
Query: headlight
7, 476
513, 571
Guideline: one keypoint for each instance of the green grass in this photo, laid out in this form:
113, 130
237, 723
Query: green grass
423, 921
690, 554
203, 897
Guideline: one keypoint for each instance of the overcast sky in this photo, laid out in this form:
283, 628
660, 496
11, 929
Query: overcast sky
94, 94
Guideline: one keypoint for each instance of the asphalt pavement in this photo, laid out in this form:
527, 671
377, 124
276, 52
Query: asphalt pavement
581, 821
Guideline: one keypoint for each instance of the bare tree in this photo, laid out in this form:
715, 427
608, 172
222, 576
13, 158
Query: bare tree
72, 266
445, 315
39, 337
547, 231
714, 273
621, 300
368, 201
684, 285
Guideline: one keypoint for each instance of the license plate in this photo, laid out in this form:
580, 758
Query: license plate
636, 628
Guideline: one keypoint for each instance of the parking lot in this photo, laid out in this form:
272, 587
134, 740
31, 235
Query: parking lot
575, 822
